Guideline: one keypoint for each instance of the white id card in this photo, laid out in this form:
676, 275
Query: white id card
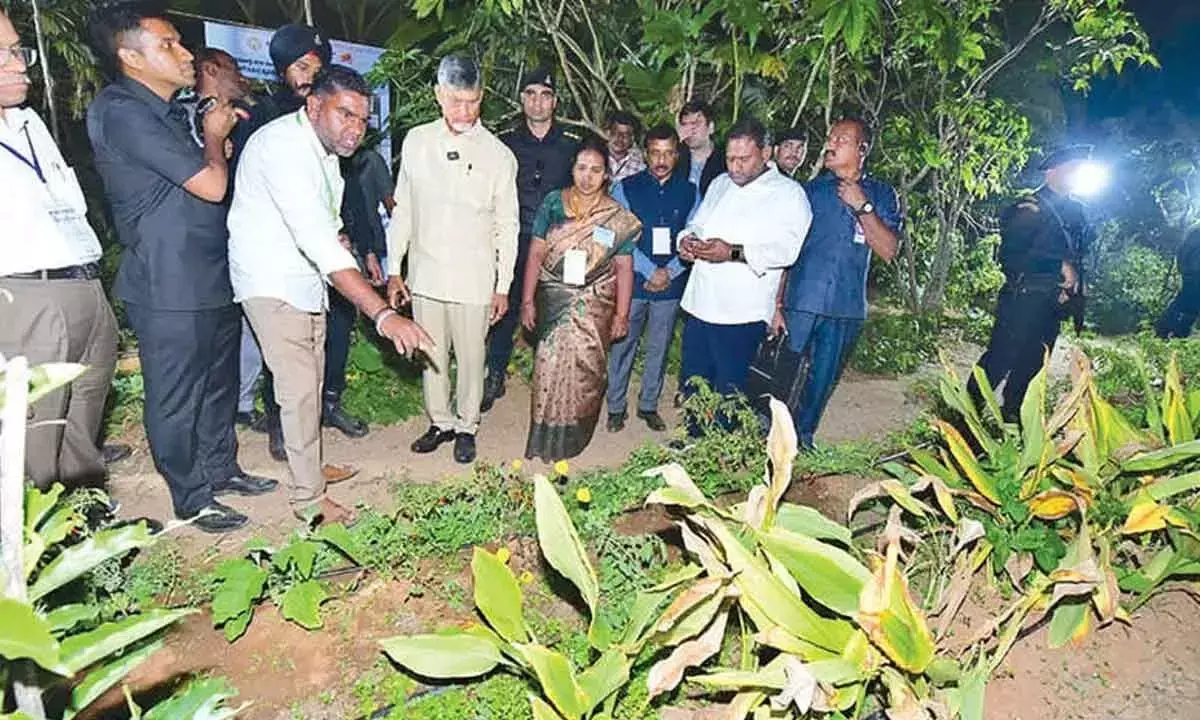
574, 267
860, 237
603, 236
662, 240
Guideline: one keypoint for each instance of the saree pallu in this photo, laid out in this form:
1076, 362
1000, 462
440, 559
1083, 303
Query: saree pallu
574, 332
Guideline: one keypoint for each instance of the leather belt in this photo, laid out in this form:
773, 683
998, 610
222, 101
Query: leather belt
89, 271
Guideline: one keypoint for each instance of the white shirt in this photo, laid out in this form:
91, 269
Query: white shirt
769, 218
285, 218
44, 223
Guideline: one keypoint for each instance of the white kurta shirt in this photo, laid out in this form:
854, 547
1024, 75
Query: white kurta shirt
44, 218
769, 217
286, 216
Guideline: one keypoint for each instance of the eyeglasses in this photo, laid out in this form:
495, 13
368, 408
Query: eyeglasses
28, 56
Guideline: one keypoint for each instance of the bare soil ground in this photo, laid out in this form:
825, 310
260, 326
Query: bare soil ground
1128, 673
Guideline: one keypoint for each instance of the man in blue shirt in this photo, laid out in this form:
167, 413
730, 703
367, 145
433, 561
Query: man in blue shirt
824, 301
664, 200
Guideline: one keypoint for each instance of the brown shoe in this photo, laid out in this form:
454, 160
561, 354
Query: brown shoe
335, 474
326, 512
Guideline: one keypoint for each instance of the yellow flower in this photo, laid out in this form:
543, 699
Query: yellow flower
517, 465
503, 554
526, 577
583, 495
561, 467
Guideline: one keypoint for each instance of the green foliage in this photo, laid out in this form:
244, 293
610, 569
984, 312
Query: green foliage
382, 387
125, 403
1129, 370
1132, 290
289, 575
896, 344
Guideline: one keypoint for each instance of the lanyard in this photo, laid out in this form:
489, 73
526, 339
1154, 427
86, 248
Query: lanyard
32, 160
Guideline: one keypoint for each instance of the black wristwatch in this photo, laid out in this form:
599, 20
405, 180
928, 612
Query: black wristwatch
737, 253
867, 208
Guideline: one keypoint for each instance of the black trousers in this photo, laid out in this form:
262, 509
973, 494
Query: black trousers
1027, 324
339, 324
190, 371
1181, 314
501, 339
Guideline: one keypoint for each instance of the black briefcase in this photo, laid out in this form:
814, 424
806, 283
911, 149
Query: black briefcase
778, 372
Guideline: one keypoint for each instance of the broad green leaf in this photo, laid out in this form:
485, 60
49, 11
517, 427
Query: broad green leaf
830, 575
498, 596
892, 620
774, 679
542, 711
1172, 486
241, 586
302, 604
560, 542
38, 504
339, 537
763, 594
66, 617
235, 626
1154, 461
1070, 622
301, 553
54, 529
80, 651
25, 635
80, 558
1176, 416
458, 655
641, 617
904, 498
557, 679
1033, 422
809, 521
199, 700
967, 462
604, 678
105, 676
971, 694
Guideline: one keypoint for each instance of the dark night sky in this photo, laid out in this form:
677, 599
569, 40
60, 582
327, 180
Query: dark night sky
1174, 30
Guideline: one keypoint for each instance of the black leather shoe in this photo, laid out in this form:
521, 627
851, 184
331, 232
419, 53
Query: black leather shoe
432, 440
115, 452
493, 390
218, 518
616, 422
653, 420
275, 442
464, 448
246, 485
335, 416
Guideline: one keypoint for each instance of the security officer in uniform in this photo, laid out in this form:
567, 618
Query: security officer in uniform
545, 151
1044, 239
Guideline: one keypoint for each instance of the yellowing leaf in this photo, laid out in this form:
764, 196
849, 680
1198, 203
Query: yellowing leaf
667, 674
1053, 504
892, 620
1146, 516
967, 462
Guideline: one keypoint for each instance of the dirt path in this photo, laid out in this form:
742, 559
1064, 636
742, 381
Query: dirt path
862, 407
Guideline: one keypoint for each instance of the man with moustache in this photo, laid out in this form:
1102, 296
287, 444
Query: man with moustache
285, 245
625, 158
791, 147
166, 198
664, 200
52, 305
824, 303
748, 229
545, 151
456, 219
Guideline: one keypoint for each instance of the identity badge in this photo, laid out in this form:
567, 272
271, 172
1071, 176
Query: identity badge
661, 237
575, 267
860, 236
604, 236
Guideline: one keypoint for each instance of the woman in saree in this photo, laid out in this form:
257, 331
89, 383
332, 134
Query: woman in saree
577, 292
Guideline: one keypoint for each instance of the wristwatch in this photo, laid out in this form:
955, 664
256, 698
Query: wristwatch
867, 208
737, 253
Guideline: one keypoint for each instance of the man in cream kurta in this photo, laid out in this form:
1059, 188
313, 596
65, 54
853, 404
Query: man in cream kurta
456, 220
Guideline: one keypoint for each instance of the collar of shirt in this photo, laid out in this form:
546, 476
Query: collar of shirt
161, 107
329, 161
446, 131
553, 134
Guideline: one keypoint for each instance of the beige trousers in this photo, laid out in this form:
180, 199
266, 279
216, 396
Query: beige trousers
462, 328
62, 321
293, 346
